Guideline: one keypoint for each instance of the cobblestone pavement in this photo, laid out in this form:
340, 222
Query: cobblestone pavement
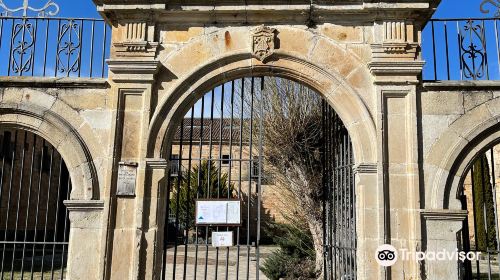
216, 264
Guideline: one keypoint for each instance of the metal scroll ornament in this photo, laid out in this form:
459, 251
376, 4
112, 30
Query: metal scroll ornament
495, 3
49, 9
473, 58
69, 47
22, 47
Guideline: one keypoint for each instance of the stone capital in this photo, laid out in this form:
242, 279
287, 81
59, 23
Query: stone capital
443, 215
133, 70
84, 205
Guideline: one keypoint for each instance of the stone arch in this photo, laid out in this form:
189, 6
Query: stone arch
450, 157
55, 129
337, 91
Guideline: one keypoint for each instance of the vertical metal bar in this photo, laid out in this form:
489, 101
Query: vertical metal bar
165, 226
66, 230
4, 147
56, 218
188, 192
81, 48
56, 66
459, 38
251, 162
209, 172
40, 177
483, 37
29, 202
103, 50
92, 48
259, 183
434, 50
46, 47
496, 45
219, 175
33, 58
21, 53
202, 113
178, 183
475, 218
239, 173
11, 45
446, 49
68, 60
230, 165
12, 163
49, 190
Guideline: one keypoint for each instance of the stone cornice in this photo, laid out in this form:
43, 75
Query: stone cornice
133, 66
53, 82
443, 214
156, 163
396, 67
227, 12
365, 168
84, 205
133, 70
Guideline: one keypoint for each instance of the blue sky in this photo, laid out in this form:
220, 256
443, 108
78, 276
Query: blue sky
461, 9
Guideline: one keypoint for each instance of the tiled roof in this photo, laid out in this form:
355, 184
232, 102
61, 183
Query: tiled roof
210, 128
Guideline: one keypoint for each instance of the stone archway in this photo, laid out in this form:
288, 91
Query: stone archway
336, 90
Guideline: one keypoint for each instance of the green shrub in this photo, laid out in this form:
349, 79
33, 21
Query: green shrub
295, 257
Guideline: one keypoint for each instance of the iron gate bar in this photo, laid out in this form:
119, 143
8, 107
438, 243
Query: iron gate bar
15, 235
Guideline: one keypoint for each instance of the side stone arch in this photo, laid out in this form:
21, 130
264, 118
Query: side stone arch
55, 122
450, 156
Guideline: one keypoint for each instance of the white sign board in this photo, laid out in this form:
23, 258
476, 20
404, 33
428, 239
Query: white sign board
218, 212
222, 239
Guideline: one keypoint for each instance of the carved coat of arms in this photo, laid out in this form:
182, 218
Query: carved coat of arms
263, 42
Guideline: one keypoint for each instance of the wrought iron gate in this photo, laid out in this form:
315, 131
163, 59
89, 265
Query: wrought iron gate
34, 229
479, 195
339, 208
217, 153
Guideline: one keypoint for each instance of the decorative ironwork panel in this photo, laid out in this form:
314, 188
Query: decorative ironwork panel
23, 42
473, 50
34, 224
68, 47
58, 47
461, 49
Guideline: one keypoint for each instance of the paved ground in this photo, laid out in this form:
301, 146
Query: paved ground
216, 264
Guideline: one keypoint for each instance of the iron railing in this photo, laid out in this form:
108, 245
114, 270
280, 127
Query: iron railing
58, 47
461, 49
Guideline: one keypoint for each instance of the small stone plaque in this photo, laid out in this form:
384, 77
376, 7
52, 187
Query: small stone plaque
222, 239
127, 174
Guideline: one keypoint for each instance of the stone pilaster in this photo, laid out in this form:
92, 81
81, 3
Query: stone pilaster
133, 67
369, 227
85, 249
396, 68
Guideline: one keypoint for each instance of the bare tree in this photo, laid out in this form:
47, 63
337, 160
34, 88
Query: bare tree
290, 117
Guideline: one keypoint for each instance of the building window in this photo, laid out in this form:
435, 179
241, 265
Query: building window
225, 159
174, 165
255, 168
